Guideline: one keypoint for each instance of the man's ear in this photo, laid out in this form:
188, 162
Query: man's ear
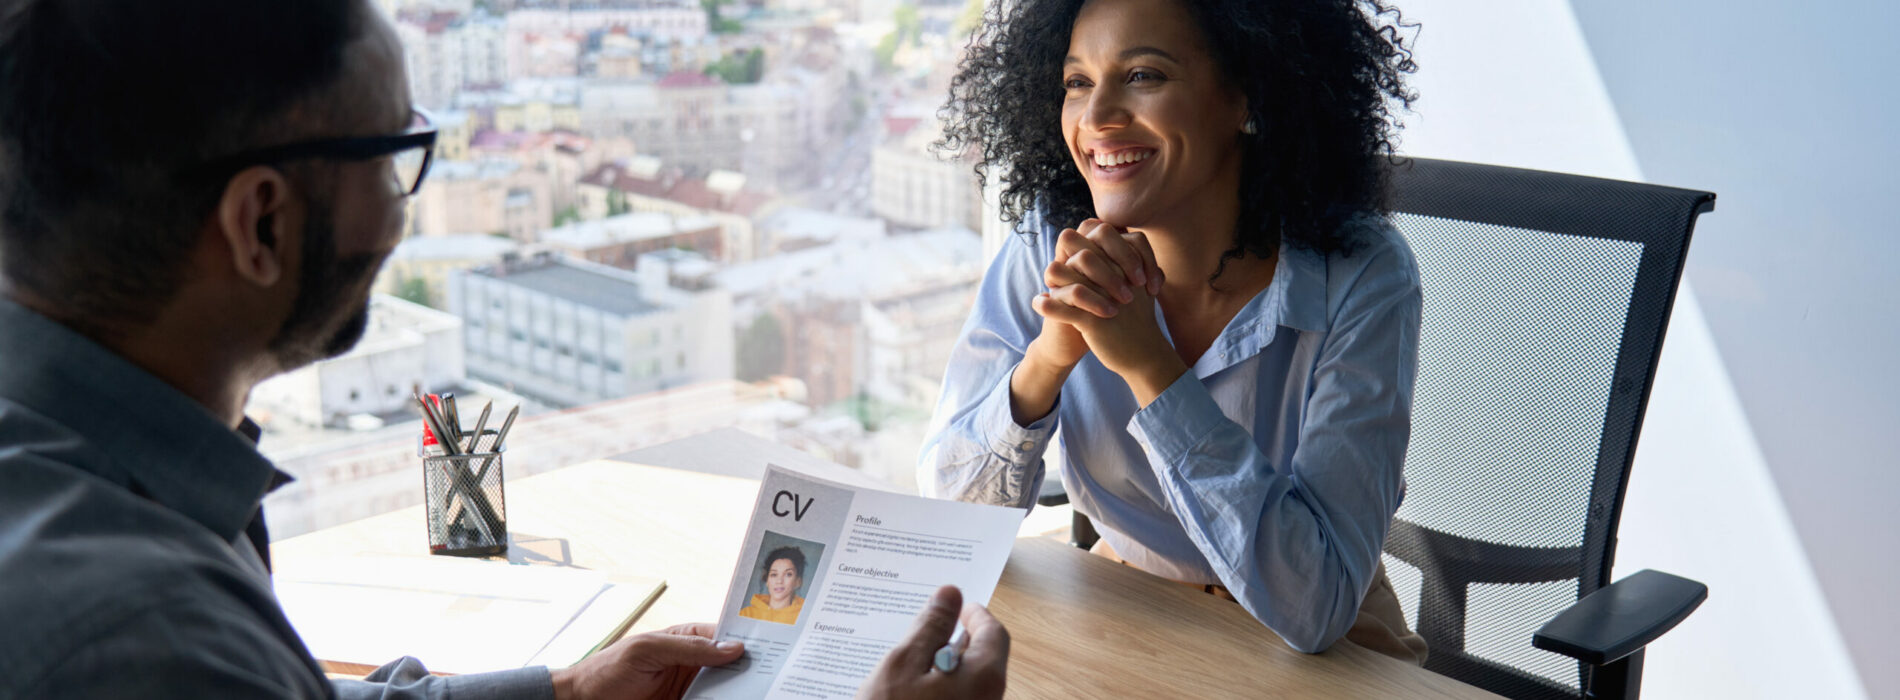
256, 220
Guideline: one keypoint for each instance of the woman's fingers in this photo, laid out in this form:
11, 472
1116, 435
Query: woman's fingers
1140, 243
1072, 243
1103, 275
1112, 242
1059, 274
1111, 261
1087, 299
1055, 310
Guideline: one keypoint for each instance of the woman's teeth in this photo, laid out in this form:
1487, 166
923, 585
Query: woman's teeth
1109, 160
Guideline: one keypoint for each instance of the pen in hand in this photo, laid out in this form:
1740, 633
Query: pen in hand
951, 655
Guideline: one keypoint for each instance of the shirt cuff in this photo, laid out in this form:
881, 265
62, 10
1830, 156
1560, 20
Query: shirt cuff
532, 682
1019, 445
406, 678
1177, 421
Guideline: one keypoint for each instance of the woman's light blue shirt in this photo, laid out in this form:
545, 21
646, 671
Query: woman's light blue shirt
1272, 468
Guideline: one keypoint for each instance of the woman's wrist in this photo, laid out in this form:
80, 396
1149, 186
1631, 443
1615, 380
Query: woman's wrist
1037, 358
1151, 379
1035, 385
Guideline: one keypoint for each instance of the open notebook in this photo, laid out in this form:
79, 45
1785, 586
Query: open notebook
456, 615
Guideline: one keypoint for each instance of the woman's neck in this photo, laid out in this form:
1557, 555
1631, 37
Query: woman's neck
1190, 251
1190, 239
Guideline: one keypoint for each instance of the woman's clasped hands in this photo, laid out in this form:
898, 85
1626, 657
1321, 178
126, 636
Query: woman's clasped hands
1102, 286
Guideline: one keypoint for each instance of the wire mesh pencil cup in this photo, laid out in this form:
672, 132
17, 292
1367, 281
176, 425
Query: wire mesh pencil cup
465, 501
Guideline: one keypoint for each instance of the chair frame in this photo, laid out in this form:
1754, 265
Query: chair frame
1551, 202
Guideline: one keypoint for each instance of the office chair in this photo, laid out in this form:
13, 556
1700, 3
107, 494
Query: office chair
1546, 297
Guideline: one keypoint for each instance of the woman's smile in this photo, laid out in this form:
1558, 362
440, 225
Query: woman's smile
1118, 164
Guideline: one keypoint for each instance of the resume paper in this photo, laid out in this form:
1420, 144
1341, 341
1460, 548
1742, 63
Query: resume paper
831, 577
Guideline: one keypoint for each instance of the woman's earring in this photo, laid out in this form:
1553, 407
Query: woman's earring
1251, 127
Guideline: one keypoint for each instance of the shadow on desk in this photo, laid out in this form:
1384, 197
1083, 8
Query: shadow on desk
534, 549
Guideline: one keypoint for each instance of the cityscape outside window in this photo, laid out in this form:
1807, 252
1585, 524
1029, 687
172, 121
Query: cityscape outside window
744, 187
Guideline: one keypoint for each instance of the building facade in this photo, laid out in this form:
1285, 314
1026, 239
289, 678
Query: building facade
570, 332
912, 186
865, 317
620, 241
698, 123
489, 196
406, 348
644, 184
429, 259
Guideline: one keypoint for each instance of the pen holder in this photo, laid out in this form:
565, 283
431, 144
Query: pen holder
466, 502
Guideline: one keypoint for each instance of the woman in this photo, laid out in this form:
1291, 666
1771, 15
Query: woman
1212, 308
784, 574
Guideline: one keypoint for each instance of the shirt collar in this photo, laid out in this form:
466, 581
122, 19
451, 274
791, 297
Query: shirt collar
1303, 296
142, 433
1296, 298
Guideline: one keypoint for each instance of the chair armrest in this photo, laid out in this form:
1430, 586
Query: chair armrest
1621, 618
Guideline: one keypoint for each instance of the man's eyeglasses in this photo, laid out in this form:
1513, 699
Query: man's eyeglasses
411, 153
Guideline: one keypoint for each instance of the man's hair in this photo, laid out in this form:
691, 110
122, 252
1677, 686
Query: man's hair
791, 554
108, 110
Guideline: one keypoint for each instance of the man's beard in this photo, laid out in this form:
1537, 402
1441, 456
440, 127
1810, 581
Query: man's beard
324, 322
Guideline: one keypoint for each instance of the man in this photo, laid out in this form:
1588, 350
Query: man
194, 197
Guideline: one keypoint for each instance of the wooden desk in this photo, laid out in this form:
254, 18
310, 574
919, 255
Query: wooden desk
1081, 626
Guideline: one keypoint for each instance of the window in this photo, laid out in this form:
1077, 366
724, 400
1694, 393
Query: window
738, 160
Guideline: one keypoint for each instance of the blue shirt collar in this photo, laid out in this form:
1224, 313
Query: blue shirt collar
137, 431
1301, 279
1296, 299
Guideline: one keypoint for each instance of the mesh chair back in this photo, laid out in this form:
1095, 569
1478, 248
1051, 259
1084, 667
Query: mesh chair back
1545, 301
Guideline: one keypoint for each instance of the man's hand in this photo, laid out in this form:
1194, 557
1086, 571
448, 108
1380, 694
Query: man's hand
651, 665
908, 671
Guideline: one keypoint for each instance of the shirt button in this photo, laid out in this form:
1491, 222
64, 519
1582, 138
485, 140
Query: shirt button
1027, 445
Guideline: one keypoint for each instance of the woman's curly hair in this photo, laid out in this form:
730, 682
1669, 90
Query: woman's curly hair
1320, 78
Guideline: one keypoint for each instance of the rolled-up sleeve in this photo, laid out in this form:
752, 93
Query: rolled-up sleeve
975, 450
1297, 544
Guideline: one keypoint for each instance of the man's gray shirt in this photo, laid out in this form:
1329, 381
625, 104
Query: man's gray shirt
128, 566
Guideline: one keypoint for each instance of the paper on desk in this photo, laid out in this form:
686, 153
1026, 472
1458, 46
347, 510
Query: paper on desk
457, 616
871, 561
604, 621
